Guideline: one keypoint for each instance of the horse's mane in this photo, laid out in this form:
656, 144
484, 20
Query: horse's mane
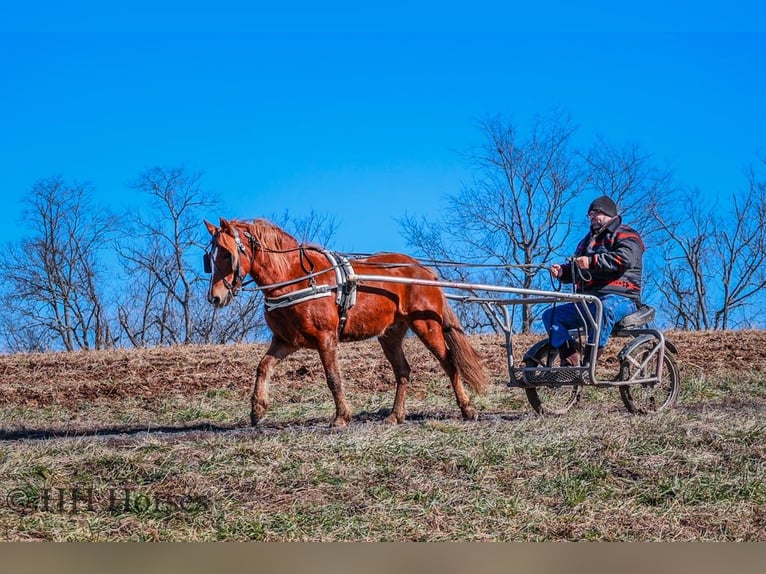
272, 239
269, 235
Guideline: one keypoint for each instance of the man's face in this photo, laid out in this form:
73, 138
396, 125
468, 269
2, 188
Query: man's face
598, 219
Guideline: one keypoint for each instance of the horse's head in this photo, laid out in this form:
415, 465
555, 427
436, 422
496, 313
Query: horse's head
228, 262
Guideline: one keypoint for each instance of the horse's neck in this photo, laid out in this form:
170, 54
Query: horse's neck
273, 268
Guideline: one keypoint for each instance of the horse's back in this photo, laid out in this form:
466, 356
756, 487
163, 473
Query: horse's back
394, 264
402, 300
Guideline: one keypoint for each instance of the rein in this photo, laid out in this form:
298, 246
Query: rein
254, 244
311, 274
442, 263
345, 279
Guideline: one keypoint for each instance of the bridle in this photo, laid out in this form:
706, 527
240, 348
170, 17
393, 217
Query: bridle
238, 280
209, 259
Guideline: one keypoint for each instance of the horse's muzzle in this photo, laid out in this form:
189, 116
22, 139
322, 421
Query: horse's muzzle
218, 301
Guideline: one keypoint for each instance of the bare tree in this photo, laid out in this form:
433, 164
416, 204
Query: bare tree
629, 176
516, 213
55, 278
163, 280
713, 258
314, 227
687, 260
740, 248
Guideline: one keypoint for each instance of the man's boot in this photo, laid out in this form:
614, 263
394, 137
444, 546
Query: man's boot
569, 354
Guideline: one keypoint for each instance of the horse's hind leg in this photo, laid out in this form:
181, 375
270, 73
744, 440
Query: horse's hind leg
259, 402
329, 357
430, 333
391, 342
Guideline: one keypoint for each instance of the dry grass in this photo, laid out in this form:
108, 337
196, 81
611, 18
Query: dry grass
165, 429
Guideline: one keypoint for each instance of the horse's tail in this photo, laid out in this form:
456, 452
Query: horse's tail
464, 356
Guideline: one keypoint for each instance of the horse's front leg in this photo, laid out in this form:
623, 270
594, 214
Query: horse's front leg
329, 357
259, 401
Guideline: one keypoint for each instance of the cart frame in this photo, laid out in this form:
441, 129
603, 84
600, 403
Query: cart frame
644, 359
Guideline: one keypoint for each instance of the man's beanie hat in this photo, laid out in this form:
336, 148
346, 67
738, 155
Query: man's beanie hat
604, 205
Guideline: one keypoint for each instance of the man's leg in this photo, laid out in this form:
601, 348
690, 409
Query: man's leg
558, 320
615, 309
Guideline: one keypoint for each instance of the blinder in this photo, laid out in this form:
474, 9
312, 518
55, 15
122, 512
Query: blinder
207, 265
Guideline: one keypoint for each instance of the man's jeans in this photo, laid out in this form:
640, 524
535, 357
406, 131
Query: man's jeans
559, 319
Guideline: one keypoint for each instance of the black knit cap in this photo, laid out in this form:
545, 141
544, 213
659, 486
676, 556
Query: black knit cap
605, 205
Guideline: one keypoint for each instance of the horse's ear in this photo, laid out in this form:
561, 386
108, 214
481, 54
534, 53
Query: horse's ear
224, 223
210, 227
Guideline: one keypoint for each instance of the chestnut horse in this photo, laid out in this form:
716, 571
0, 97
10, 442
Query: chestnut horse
310, 304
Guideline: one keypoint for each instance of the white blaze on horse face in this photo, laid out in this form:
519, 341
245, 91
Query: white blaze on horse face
219, 293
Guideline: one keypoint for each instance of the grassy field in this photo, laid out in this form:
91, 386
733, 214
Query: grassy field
154, 445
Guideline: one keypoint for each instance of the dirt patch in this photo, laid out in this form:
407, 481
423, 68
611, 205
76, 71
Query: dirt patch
67, 379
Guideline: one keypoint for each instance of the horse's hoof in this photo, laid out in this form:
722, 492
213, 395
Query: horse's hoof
255, 420
392, 419
341, 421
470, 414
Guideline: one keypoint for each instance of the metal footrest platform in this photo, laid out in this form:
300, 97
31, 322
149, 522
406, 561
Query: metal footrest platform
555, 376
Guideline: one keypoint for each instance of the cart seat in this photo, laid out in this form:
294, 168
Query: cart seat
640, 318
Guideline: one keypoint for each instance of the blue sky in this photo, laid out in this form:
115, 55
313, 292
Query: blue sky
362, 110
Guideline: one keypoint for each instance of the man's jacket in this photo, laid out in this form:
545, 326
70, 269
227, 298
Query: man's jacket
616, 264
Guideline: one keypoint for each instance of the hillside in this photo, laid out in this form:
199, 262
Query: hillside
160, 441
67, 379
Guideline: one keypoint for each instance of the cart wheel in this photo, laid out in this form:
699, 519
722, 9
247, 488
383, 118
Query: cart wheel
643, 398
551, 400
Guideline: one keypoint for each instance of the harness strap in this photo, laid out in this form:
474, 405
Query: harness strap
346, 295
289, 299
345, 288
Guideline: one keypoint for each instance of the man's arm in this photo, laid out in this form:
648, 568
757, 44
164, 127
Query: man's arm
627, 249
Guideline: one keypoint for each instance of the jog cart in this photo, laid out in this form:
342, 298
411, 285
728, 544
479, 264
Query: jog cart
647, 375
